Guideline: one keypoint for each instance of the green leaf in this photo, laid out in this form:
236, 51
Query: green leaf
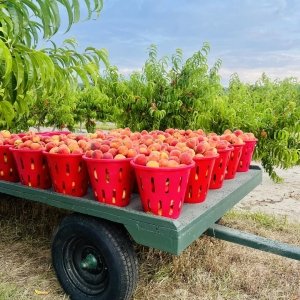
7, 111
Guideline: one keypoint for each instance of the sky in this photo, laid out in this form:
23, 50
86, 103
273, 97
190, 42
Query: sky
250, 37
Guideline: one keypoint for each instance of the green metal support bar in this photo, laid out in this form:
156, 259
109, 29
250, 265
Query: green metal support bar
253, 241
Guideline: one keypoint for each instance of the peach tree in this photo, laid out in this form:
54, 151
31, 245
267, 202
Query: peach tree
29, 74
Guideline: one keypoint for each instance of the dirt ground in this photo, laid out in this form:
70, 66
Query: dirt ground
279, 199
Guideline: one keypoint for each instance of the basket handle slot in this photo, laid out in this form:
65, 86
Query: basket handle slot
107, 179
67, 169
167, 185
152, 185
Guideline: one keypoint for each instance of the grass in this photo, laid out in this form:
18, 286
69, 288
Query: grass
208, 269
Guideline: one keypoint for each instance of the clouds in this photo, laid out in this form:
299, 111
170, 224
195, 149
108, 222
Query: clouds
249, 36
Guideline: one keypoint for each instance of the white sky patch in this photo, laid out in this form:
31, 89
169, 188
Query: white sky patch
252, 75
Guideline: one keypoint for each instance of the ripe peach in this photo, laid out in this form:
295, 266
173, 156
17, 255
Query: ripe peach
227, 131
107, 155
95, 145
186, 158
176, 158
63, 149
175, 152
77, 151
5, 133
211, 152
222, 144
35, 146
172, 163
36, 138
153, 164
140, 159
191, 143
97, 154
104, 148
144, 150
238, 132
154, 147
54, 150
123, 150
163, 162
89, 153
199, 155
131, 153
113, 151
119, 156
116, 143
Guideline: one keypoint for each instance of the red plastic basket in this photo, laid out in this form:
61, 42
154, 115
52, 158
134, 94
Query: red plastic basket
68, 173
111, 180
246, 156
233, 161
162, 190
8, 168
199, 179
219, 169
32, 168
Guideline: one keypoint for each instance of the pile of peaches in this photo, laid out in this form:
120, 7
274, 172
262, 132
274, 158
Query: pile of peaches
170, 148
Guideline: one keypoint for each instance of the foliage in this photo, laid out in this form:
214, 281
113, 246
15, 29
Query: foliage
168, 92
270, 109
92, 105
25, 71
189, 95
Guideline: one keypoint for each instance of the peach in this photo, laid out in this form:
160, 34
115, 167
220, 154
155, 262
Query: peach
153, 164
175, 152
123, 150
104, 148
5, 133
35, 146
97, 154
191, 143
227, 131
36, 138
172, 163
77, 151
186, 158
63, 149
144, 150
119, 156
202, 147
238, 132
89, 153
163, 162
95, 145
222, 144
176, 158
211, 152
140, 159
113, 151
54, 150
107, 155
131, 153
154, 147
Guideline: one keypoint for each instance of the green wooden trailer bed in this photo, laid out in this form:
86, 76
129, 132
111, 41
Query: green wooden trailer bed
92, 249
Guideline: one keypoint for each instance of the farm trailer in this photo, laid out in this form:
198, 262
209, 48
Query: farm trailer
92, 248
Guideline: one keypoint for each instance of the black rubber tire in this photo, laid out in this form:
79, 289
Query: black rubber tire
116, 274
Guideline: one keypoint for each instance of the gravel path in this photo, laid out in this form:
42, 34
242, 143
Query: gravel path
281, 199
